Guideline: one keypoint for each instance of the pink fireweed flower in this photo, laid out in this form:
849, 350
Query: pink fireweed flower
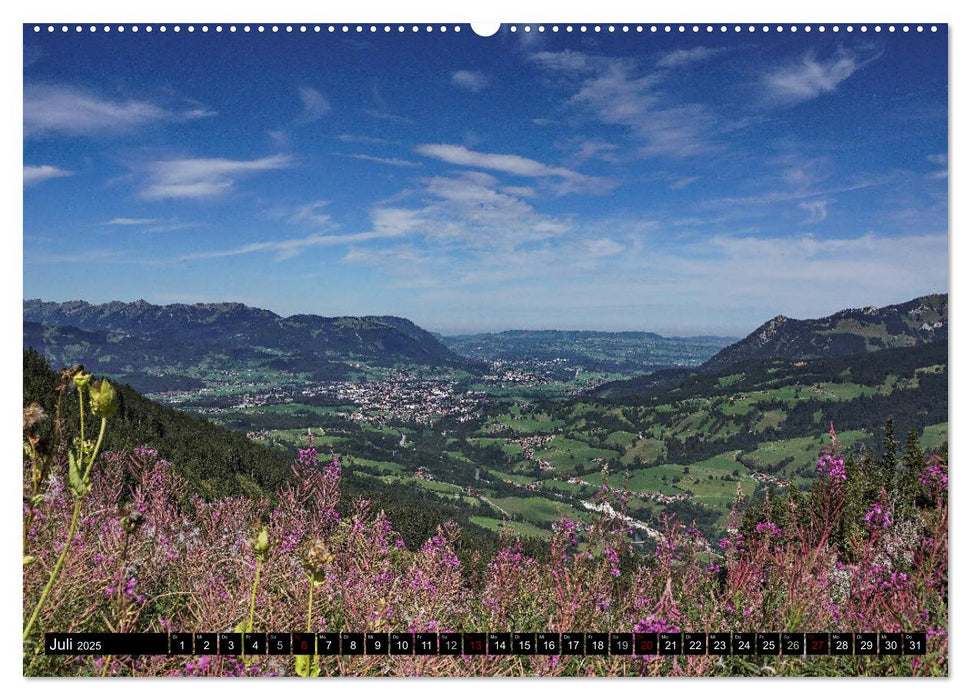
833, 466
332, 470
567, 529
769, 528
878, 517
308, 457
934, 477
653, 624
613, 558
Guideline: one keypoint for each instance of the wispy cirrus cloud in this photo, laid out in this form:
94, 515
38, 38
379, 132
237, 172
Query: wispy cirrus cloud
687, 57
566, 180
283, 249
314, 104
150, 225
70, 110
312, 213
360, 138
126, 221
941, 160
816, 210
386, 222
197, 178
619, 92
34, 174
682, 182
471, 80
811, 76
397, 162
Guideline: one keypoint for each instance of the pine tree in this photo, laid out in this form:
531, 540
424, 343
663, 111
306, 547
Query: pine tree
914, 463
888, 462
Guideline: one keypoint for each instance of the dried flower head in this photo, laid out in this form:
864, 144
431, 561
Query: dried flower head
131, 518
33, 416
315, 559
68, 373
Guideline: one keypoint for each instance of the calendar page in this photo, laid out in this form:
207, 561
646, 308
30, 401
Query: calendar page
450, 350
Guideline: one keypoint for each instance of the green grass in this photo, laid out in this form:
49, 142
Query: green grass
535, 509
803, 450
567, 454
648, 450
511, 526
934, 436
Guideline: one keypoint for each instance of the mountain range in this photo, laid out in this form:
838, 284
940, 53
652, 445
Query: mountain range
920, 321
130, 338
847, 332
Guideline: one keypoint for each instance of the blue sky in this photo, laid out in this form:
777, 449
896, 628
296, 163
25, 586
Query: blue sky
678, 183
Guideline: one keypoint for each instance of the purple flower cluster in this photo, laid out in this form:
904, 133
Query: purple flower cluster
332, 470
652, 624
145, 451
833, 466
769, 528
934, 477
613, 558
567, 529
732, 542
878, 517
308, 457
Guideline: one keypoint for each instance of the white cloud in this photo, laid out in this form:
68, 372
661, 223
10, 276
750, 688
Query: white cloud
617, 93
683, 182
151, 225
315, 105
53, 108
939, 159
816, 210
811, 77
566, 61
38, 173
685, 57
398, 162
472, 80
124, 221
358, 138
284, 249
597, 150
602, 247
386, 222
311, 213
191, 178
568, 180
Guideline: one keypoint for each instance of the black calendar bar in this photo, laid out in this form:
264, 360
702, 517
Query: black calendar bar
101, 644
622, 643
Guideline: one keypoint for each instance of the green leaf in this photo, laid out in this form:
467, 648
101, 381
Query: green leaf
303, 665
80, 485
244, 627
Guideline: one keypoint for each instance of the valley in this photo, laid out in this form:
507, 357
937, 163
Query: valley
529, 428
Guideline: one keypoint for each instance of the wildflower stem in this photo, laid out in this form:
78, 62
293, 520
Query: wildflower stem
310, 607
97, 446
81, 406
56, 570
252, 601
